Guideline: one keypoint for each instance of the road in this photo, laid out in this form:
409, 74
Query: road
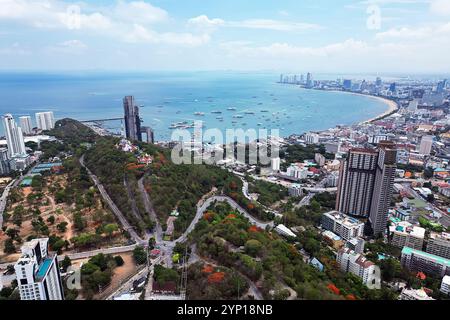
134, 208
158, 233
305, 201
128, 285
4, 199
119, 215
444, 220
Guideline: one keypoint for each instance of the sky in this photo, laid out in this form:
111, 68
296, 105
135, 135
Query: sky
358, 36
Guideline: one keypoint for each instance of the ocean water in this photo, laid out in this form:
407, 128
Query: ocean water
168, 98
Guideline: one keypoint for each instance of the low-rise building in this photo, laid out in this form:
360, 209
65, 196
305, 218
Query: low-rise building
284, 231
404, 234
411, 294
416, 260
445, 285
295, 190
350, 261
320, 159
439, 244
343, 225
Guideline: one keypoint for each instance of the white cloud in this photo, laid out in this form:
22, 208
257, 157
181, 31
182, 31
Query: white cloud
203, 21
69, 47
14, 50
285, 50
429, 33
142, 34
139, 12
440, 7
206, 23
268, 24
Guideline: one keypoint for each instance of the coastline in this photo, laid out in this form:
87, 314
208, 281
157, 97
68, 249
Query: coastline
391, 104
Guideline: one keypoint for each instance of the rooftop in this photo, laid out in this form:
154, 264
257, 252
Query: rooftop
441, 260
344, 219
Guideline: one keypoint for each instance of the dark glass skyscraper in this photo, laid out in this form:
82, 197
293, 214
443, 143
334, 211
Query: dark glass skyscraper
132, 119
366, 183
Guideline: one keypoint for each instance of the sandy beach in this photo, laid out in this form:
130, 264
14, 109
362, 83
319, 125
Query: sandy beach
392, 105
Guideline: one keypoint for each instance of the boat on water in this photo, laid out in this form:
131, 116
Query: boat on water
238, 116
259, 124
201, 114
216, 112
231, 109
265, 111
249, 112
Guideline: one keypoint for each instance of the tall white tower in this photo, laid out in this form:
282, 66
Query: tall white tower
37, 273
26, 124
14, 137
45, 120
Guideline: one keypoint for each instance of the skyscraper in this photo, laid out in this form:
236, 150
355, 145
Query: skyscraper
393, 87
26, 124
309, 80
37, 272
366, 183
379, 82
426, 144
14, 137
132, 119
45, 120
347, 84
5, 162
384, 185
356, 182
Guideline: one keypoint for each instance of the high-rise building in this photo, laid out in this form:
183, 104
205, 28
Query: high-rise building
393, 87
309, 80
379, 82
413, 105
312, 138
416, 260
366, 184
383, 187
356, 181
275, 164
5, 162
132, 119
426, 144
439, 244
26, 124
45, 120
441, 86
149, 134
347, 84
37, 272
14, 137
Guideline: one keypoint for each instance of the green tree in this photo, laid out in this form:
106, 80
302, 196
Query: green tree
66, 263
62, 226
9, 246
139, 255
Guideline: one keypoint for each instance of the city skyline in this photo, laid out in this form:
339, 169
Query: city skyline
381, 35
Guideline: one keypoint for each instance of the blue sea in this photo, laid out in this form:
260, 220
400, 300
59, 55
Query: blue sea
172, 97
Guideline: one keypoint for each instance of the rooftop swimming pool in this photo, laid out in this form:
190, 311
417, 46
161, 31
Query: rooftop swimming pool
43, 268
